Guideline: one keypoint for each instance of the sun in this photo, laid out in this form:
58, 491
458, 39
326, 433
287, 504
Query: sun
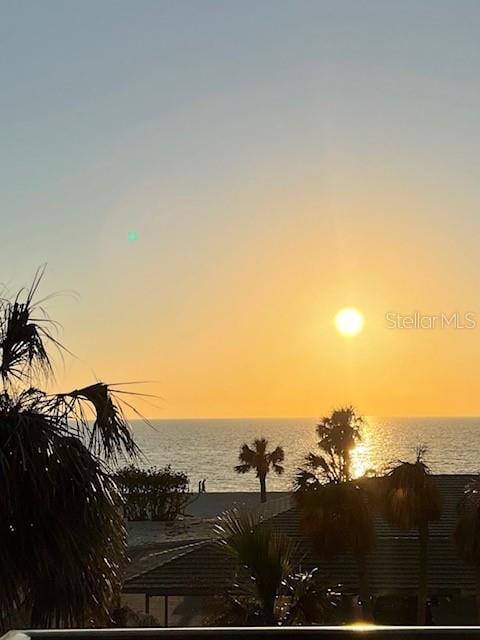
349, 321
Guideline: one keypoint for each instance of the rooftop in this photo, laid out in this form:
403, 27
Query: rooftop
205, 569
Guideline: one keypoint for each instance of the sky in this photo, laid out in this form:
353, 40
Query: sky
210, 182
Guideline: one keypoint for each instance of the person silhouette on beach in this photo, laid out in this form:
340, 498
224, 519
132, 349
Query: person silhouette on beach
199, 486
203, 485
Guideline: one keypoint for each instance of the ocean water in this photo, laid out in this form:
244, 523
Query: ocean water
209, 448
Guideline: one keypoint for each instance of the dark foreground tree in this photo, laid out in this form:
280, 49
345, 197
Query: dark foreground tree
258, 459
267, 589
467, 532
62, 538
334, 508
411, 500
337, 520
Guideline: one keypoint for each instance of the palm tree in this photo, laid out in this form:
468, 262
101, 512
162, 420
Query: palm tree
258, 459
62, 538
338, 435
335, 511
467, 532
267, 591
337, 520
411, 500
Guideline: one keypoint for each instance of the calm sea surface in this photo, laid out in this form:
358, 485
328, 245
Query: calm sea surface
209, 448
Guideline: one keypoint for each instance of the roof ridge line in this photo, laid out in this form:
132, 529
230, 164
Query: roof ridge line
183, 550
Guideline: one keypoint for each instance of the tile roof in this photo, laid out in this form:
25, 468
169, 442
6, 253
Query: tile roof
393, 565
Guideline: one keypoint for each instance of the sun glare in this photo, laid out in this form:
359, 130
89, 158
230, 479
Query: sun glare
349, 321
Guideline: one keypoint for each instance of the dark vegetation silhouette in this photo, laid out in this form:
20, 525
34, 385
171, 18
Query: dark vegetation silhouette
410, 501
258, 459
334, 508
152, 494
62, 537
467, 533
268, 588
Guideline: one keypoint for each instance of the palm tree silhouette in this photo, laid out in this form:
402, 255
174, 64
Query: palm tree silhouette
61, 533
338, 435
337, 519
335, 511
267, 590
258, 459
467, 532
411, 500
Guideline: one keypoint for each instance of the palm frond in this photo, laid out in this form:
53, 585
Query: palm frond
267, 589
24, 338
62, 539
277, 455
410, 494
247, 456
242, 468
310, 599
109, 435
275, 458
305, 479
264, 555
260, 446
257, 458
338, 435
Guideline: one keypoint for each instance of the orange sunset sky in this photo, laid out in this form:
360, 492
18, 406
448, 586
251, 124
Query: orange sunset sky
275, 167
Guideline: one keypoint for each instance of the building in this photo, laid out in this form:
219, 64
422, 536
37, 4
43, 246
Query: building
180, 590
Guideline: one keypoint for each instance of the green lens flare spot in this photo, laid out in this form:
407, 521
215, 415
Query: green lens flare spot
132, 236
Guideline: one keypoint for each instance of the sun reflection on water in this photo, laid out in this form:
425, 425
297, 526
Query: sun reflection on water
362, 455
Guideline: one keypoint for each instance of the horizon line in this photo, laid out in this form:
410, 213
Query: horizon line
472, 415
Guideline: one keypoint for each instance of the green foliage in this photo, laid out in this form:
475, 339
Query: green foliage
267, 589
265, 554
152, 494
62, 539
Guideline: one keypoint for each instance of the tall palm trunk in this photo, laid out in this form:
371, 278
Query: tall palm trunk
422, 573
363, 588
263, 487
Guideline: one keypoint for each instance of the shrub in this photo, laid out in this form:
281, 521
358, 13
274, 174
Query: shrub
152, 494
